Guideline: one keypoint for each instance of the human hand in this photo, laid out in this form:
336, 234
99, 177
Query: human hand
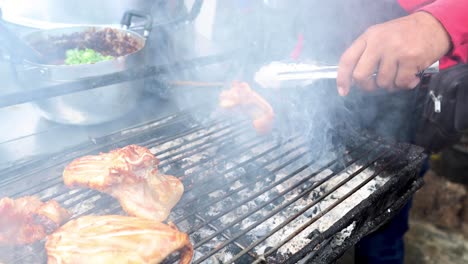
397, 50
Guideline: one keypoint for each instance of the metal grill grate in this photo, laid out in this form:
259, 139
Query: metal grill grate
247, 198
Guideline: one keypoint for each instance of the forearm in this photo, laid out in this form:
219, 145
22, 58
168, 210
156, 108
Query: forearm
452, 14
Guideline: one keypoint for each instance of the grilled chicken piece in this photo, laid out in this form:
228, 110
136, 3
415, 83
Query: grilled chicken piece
131, 176
152, 199
27, 219
130, 164
241, 95
116, 239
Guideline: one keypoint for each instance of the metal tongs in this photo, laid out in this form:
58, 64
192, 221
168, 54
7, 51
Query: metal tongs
283, 74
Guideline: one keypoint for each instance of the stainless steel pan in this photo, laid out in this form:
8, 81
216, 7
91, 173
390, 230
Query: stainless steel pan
91, 106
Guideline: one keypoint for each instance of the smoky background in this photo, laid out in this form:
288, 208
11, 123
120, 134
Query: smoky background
316, 111
260, 32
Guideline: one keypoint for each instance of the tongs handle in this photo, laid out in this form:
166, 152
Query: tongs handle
278, 74
331, 72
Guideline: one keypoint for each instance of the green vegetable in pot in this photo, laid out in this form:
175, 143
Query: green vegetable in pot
86, 56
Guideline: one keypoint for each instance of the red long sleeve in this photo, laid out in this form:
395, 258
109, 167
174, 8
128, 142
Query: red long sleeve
453, 15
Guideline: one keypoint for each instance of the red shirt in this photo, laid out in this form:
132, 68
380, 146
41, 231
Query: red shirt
453, 15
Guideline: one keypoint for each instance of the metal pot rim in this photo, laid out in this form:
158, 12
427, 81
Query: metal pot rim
45, 25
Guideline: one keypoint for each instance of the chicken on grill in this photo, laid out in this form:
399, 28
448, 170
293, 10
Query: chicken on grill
116, 239
26, 220
130, 175
242, 96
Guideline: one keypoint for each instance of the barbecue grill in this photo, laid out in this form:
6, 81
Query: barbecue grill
248, 199
281, 198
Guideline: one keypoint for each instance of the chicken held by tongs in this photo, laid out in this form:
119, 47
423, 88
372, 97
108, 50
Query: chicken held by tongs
243, 97
115, 239
130, 175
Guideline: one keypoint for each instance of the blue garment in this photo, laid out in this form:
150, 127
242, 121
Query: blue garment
386, 245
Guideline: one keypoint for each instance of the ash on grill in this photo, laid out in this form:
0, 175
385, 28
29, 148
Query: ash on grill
234, 175
246, 197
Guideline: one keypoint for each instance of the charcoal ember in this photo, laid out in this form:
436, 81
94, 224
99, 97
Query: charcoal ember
314, 193
306, 186
312, 211
196, 238
233, 250
226, 146
278, 258
242, 210
261, 231
279, 200
253, 170
313, 234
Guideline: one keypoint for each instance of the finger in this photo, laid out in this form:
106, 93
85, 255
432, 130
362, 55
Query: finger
387, 73
406, 77
347, 63
366, 67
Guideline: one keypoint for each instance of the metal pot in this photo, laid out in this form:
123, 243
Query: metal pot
91, 106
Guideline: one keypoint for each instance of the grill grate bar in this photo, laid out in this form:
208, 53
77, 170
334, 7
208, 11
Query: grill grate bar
190, 130
328, 209
204, 135
186, 153
214, 201
242, 149
88, 193
118, 137
239, 165
306, 208
213, 188
226, 236
258, 193
105, 201
277, 210
55, 195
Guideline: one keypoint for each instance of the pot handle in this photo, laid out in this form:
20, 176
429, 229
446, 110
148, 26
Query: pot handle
189, 17
129, 15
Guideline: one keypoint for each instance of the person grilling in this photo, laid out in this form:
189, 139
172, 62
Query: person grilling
398, 50
389, 55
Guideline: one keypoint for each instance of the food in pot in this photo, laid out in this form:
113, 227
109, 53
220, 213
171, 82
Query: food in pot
107, 42
130, 175
242, 96
84, 56
27, 219
116, 239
